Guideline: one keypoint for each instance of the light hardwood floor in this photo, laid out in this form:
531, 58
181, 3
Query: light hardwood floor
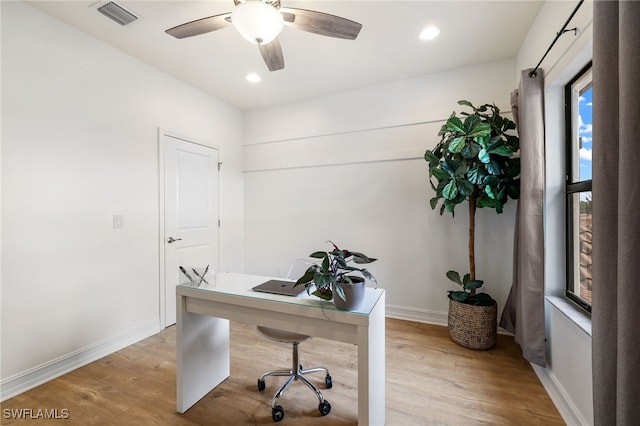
430, 381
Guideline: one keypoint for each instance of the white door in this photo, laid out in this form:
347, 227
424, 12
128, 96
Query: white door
190, 236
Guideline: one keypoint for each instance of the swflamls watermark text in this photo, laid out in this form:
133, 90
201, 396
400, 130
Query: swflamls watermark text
35, 413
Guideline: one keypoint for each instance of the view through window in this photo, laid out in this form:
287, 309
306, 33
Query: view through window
579, 198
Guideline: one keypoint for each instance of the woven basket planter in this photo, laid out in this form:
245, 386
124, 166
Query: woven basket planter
473, 327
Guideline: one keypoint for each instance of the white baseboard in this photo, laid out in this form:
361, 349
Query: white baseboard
425, 316
560, 398
418, 315
36, 376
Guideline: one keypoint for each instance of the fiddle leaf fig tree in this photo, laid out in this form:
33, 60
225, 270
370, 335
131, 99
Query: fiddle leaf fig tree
477, 161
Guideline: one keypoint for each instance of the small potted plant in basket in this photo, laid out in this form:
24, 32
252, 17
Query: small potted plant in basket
333, 277
476, 161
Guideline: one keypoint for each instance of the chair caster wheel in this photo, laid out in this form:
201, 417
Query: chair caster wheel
277, 413
261, 385
327, 382
324, 407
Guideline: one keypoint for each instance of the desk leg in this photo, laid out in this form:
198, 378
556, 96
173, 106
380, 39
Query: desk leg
202, 355
371, 368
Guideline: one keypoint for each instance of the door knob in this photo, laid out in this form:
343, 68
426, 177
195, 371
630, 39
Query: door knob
171, 240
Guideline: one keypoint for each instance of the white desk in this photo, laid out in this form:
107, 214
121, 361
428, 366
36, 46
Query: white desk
202, 346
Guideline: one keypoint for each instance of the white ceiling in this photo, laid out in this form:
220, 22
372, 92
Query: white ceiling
386, 50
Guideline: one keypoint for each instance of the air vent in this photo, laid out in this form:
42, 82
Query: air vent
117, 13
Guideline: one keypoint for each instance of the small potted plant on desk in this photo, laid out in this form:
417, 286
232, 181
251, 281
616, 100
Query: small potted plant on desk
333, 280
474, 161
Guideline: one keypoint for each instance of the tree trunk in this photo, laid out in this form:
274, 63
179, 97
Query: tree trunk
472, 231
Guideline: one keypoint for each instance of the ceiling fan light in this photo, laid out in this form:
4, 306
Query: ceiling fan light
258, 22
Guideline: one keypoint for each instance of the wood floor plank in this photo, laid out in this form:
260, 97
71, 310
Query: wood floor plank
430, 381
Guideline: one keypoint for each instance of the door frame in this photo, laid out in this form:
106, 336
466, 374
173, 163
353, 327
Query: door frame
162, 135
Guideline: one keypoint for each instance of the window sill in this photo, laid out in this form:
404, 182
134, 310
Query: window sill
575, 314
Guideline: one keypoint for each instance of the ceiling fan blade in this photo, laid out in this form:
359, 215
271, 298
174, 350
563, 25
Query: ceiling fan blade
288, 17
322, 23
200, 26
272, 55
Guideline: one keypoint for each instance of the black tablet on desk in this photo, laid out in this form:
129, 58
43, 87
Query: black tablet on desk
285, 288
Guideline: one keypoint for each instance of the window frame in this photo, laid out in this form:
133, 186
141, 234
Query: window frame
572, 187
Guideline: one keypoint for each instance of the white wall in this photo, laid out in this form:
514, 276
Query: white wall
568, 375
349, 168
80, 143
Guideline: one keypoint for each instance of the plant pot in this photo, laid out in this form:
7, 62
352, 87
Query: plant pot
471, 326
354, 293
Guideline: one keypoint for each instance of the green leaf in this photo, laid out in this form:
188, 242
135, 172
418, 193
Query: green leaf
449, 206
454, 276
476, 175
471, 122
494, 142
503, 151
466, 103
465, 188
470, 151
514, 190
483, 156
483, 140
457, 144
480, 299
361, 258
307, 277
454, 124
458, 296
471, 285
447, 168
490, 180
461, 170
483, 202
489, 190
434, 202
512, 168
439, 173
338, 289
325, 294
466, 279
321, 280
431, 157
480, 130
513, 141
451, 190
494, 168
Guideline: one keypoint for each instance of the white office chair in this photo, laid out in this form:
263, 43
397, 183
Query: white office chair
296, 372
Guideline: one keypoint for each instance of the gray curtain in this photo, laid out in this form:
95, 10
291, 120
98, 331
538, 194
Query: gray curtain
523, 313
616, 213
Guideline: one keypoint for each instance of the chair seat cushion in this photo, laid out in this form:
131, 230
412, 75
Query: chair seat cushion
280, 335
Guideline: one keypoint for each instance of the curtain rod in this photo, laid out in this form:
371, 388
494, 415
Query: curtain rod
560, 33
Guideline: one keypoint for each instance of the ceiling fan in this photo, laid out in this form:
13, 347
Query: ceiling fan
260, 22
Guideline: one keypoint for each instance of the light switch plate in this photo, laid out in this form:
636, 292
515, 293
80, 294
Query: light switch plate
118, 221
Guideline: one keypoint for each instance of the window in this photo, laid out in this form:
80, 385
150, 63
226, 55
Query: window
578, 196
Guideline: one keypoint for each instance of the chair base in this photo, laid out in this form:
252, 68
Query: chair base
296, 373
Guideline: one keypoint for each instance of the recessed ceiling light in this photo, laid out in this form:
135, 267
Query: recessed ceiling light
429, 33
253, 77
